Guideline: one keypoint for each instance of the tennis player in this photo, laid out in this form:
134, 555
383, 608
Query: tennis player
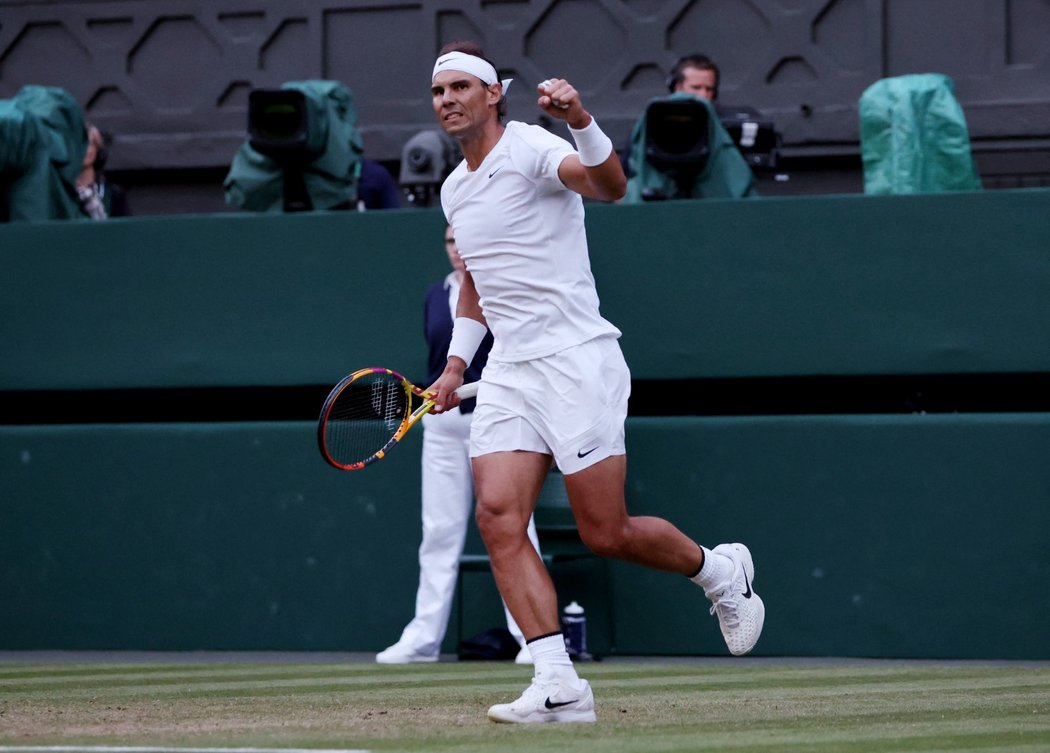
556, 383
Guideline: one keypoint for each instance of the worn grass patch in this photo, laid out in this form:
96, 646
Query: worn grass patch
682, 706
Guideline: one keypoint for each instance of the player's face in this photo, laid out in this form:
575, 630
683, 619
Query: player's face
698, 81
462, 102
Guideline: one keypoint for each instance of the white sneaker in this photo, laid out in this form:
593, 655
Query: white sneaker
740, 610
548, 701
524, 656
401, 653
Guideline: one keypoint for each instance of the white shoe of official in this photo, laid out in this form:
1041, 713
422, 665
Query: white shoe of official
402, 653
740, 610
548, 701
524, 656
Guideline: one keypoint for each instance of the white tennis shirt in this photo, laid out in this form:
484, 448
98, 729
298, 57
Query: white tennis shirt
521, 234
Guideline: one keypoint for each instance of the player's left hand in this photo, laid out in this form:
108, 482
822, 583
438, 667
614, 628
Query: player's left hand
559, 99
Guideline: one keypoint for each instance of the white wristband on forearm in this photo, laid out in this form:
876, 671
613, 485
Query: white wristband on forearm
592, 144
467, 335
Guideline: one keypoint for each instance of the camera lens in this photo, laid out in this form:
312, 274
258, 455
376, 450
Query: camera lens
419, 159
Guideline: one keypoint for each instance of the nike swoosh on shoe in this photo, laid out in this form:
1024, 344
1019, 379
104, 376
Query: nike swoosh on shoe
553, 705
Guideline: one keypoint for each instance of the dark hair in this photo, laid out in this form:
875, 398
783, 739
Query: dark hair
696, 60
473, 48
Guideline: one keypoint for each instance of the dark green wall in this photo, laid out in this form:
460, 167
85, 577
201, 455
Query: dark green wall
884, 535
215, 300
201, 536
872, 536
772, 287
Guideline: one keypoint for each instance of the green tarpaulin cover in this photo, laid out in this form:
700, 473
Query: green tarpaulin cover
914, 137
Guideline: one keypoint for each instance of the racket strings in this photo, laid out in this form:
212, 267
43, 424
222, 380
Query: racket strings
364, 417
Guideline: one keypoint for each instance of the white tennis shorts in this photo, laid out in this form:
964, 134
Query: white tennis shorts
571, 405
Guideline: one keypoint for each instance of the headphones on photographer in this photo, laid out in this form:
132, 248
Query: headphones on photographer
695, 60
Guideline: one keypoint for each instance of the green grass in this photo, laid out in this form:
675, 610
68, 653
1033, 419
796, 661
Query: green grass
742, 705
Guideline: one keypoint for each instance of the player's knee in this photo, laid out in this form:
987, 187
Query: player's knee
605, 540
495, 523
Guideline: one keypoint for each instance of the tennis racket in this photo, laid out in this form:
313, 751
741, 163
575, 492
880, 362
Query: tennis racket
368, 412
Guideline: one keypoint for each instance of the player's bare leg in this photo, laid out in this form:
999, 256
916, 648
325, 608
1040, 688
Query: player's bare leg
596, 495
507, 485
725, 573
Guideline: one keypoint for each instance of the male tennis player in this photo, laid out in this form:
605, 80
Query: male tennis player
556, 383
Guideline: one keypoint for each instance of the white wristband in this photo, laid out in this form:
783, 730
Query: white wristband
467, 335
592, 144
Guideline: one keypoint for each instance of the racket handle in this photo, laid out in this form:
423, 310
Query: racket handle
468, 390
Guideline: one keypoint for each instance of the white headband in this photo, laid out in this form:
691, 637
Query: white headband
475, 66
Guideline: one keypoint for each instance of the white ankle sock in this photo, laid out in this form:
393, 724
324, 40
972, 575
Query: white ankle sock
717, 570
550, 658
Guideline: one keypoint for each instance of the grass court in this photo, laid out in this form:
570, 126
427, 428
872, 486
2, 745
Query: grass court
138, 704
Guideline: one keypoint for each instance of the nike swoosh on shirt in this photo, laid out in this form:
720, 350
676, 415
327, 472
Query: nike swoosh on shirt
496, 171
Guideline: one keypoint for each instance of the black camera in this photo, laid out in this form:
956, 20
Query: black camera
676, 136
279, 126
303, 150
680, 150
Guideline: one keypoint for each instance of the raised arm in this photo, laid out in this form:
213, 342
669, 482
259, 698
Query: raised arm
596, 173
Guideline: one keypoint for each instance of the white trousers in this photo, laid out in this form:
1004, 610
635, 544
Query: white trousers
447, 502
